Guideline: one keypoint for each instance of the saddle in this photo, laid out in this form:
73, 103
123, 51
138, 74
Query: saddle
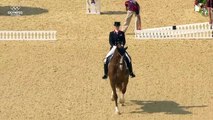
126, 61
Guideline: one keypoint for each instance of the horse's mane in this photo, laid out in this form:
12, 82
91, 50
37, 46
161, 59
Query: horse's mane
117, 55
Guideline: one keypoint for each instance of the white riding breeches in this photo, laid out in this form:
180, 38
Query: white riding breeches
111, 52
128, 57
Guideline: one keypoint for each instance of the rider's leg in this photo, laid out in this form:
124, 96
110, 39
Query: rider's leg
106, 68
129, 65
111, 52
106, 61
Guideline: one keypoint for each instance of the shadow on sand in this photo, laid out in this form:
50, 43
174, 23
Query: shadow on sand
7, 10
113, 12
130, 33
167, 107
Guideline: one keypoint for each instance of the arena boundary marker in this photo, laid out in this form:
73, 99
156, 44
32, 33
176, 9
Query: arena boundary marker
188, 31
28, 35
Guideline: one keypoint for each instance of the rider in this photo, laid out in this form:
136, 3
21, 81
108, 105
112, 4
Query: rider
115, 37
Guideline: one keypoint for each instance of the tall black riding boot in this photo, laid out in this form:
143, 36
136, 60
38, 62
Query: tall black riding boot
105, 71
129, 65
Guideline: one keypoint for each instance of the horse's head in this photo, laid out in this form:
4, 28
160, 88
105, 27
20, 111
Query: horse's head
121, 49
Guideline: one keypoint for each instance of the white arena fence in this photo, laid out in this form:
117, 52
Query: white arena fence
174, 34
189, 31
28, 35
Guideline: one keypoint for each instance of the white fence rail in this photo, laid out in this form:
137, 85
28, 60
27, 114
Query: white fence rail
196, 26
167, 34
189, 31
27, 35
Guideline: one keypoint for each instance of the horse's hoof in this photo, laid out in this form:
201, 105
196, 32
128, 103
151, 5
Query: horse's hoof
121, 101
117, 113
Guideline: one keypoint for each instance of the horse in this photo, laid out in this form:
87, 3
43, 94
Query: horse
118, 75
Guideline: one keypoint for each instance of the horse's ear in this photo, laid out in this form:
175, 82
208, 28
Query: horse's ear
126, 48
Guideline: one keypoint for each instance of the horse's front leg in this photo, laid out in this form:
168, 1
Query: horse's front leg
116, 103
112, 96
115, 96
123, 91
122, 100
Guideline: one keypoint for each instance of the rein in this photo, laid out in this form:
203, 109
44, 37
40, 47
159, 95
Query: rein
121, 60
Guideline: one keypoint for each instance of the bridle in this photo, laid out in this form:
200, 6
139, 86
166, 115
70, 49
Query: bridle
122, 56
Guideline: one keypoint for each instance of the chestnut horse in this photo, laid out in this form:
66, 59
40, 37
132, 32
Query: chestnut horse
118, 75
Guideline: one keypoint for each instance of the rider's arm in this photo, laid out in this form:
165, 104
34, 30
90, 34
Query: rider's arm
124, 39
110, 39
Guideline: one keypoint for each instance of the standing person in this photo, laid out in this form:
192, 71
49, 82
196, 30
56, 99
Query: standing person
117, 37
210, 8
132, 7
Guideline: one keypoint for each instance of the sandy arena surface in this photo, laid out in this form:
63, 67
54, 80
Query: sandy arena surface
61, 80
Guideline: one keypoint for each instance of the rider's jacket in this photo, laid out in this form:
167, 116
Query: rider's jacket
117, 37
